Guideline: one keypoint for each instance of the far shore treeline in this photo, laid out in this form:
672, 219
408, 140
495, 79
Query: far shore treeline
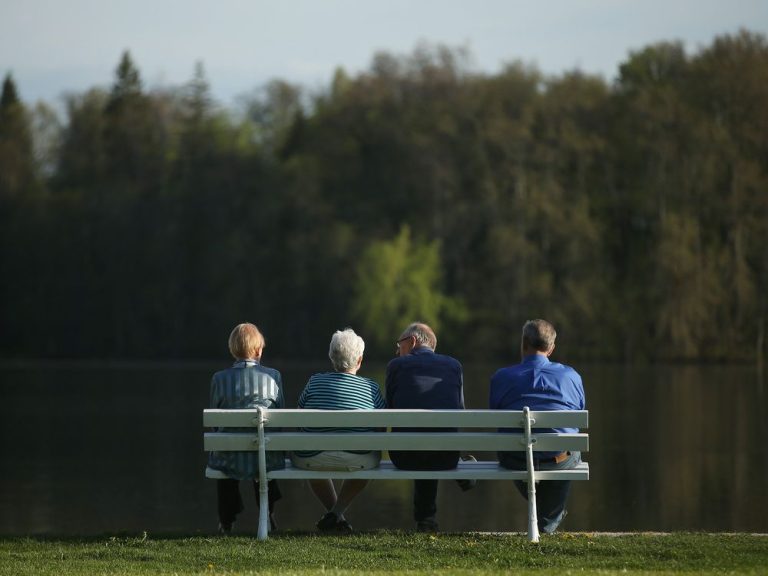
633, 214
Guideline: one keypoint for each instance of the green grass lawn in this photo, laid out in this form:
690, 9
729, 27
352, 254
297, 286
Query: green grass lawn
388, 553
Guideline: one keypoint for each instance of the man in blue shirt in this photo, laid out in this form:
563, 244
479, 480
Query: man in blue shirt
541, 385
421, 379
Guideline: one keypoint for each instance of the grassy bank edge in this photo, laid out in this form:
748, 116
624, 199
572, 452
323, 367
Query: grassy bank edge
388, 553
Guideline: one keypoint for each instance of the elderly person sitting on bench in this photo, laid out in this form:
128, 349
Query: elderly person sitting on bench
341, 389
247, 384
541, 385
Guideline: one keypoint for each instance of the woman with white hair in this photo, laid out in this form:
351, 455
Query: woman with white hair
341, 389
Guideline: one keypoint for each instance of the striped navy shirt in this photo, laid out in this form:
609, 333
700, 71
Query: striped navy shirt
340, 391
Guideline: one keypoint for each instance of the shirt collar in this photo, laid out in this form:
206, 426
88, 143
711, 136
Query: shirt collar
422, 350
245, 364
538, 359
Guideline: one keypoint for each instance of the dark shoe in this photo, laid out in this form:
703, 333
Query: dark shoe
467, 484
328, 522
225, 529
427, 525
331, 522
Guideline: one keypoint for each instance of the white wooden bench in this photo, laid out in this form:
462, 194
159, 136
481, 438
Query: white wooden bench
478, 432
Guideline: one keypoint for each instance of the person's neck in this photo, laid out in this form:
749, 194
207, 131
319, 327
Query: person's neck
528, 352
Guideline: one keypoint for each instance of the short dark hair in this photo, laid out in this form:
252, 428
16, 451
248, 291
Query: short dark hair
538, 335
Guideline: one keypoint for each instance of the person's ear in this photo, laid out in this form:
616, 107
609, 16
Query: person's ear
549, 352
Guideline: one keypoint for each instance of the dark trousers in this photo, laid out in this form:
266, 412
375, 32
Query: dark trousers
231, 502
424, 491
551, 495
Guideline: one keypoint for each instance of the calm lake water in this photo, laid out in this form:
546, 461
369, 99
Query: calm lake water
91, 449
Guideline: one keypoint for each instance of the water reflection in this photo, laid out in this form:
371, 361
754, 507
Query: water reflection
91, 449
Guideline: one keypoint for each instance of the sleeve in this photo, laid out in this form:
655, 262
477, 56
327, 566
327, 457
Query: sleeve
582, 397
280, 401
303, 398
461, 386
390, 386
378, 400
215, 396
492, 401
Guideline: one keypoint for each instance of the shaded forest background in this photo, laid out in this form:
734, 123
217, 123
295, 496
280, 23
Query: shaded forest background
632, 214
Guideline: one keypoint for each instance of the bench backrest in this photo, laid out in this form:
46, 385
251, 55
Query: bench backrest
478, 430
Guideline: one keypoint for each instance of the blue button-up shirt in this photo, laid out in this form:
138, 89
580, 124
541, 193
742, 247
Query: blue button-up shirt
539, 384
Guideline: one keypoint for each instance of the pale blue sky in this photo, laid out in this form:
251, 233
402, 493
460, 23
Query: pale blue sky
57, 46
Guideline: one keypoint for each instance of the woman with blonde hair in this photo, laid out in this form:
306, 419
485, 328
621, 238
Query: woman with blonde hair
247, 384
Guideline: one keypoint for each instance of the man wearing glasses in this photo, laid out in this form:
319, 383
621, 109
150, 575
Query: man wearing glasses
421, 379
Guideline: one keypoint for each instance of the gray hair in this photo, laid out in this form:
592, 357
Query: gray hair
539, 335
346, 350
423, 334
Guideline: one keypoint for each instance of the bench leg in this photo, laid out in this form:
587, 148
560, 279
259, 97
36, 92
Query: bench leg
263, 486
533, 520
263, 509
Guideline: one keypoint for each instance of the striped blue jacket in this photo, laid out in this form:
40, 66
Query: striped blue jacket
247, 384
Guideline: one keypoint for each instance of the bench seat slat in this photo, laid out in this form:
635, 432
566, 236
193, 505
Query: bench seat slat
386, 471
477, 441
295, 418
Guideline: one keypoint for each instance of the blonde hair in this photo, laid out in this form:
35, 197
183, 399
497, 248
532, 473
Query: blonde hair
246, 342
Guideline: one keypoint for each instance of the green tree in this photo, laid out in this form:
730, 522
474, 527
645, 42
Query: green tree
274, 111
399, 281
20, 221
17, 167
728, 87
81, 155
135, 135
650, 141
687, 286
